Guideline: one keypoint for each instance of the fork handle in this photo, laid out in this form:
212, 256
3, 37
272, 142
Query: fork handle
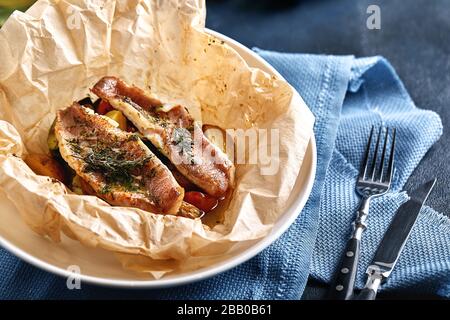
344, 280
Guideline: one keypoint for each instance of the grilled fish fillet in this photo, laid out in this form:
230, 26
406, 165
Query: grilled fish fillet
172, 132
116, 164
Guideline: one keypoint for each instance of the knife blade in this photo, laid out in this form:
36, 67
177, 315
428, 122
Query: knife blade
394, 240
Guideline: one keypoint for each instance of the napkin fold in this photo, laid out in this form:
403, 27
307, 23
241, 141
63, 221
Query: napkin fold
347, 97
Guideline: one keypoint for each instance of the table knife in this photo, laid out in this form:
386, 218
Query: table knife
393, 241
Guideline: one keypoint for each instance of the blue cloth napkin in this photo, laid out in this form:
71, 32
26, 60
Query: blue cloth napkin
347, 96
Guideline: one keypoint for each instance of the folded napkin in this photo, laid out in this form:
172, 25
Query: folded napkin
347, 96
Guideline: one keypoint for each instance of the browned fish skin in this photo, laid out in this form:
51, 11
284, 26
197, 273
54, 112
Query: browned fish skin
116, 164
186, 210
162, 128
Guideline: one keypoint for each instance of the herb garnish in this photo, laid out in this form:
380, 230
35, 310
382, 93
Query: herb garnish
113, 163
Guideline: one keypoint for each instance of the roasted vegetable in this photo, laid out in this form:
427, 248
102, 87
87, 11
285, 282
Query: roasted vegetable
76, 185
118, 117
104, 107
52, 142
218, 137
79, 186
187, 210
200, 200
45, 165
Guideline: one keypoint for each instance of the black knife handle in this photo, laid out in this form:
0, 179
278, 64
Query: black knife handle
344, 281
366, 294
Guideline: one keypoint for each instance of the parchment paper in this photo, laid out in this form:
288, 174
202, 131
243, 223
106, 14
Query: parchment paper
52, 54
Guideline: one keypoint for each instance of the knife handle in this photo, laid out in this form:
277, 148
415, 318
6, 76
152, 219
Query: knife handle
366, 294
375, 277
344, 281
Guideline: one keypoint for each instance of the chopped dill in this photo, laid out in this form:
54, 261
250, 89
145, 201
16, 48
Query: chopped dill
75, 146
112, 163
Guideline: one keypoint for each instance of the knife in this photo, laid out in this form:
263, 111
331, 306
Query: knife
393, 241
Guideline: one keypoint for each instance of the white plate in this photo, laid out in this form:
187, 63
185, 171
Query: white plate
100, 267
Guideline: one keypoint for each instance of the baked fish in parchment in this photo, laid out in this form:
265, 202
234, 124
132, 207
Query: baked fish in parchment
116, 164
173, 132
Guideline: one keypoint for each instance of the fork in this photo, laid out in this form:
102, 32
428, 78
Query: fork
372, 182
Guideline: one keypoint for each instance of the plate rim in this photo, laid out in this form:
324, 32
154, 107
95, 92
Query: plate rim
293, 212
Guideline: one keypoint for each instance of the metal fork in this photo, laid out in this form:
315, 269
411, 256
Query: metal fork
373, 181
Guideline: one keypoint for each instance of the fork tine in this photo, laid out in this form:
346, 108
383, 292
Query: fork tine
374, 161
379, 174
391, 158
365, 163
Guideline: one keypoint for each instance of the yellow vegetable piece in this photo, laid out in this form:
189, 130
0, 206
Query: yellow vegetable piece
52, 142
216, 135
76, 185
220, 138
118, 117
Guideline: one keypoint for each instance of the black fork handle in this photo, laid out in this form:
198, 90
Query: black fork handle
344, 280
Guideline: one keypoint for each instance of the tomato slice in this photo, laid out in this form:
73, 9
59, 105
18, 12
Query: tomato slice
202, 201
104, 107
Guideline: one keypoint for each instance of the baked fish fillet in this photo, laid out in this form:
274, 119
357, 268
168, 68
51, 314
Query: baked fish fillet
173, 131
116, 164
186, 210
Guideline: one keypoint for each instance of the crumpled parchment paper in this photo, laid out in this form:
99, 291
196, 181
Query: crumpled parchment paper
52, 54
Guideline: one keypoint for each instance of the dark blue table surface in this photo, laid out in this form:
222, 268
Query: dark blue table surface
414, 36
